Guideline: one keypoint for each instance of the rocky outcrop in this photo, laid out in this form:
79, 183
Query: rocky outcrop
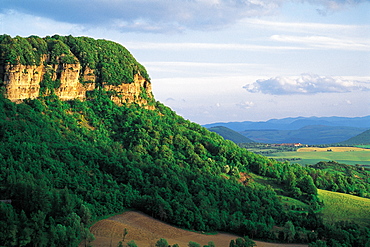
131, 93
25, 82
69, 76
21, 81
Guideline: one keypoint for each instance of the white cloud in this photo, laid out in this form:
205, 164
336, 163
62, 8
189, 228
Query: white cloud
306, 27
207, 46
245, 104
334, 5
146, 15
155, 15
306, 84
325, 42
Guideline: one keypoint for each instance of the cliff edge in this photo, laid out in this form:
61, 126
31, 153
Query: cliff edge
70, 67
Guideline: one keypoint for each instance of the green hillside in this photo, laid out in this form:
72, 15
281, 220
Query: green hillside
343, 207
363, 138
65, 164
230, 134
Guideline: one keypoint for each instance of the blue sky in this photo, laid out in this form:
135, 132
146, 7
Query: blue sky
227, 60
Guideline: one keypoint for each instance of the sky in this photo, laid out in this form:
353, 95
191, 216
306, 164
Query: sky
226, 60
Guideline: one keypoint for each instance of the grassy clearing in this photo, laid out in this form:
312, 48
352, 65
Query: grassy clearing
344, 207
291, 204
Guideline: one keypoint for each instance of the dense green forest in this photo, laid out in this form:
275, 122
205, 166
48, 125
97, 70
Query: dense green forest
64, 164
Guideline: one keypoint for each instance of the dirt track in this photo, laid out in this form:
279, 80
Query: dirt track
146, 231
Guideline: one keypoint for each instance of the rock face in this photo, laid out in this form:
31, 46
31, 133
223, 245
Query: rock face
26, 81
132, 92
21, 81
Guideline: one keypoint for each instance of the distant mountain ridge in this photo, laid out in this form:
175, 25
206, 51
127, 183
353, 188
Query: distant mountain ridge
311, 134
295, 123
307, 130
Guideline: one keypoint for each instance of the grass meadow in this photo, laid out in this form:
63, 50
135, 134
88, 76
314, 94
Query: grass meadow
363, 146
344, 207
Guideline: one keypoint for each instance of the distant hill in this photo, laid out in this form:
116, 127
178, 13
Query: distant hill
230, 134
295, 123
312, 134
307, 130
363, 138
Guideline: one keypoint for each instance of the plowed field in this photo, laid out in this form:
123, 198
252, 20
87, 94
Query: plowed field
146, 231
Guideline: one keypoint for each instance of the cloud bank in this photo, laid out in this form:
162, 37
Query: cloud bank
155, 15
324, 42
306, 84
145, 15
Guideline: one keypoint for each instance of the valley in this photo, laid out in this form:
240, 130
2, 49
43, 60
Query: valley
310, 155
305, 130
313, 155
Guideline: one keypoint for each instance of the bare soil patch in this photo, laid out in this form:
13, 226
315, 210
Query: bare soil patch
146, 231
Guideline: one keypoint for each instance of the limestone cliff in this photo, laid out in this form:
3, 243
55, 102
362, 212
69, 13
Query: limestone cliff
70, 80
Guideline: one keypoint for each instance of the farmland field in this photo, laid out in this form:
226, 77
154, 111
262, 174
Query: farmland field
332, 149
344, 207
145, 231
310, 156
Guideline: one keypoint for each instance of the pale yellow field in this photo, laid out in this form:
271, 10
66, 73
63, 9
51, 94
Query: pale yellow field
333, 149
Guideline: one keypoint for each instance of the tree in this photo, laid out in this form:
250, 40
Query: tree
193, 244
131, 244
242, 242
8, 224
249, 242
289, 231
125, 232
239, 242
87, 235
161, 243
232, 243
318, 243
307, 185
211, 244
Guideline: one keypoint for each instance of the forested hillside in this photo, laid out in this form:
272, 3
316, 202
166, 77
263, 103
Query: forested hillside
363, 138
64, 164
230, 134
